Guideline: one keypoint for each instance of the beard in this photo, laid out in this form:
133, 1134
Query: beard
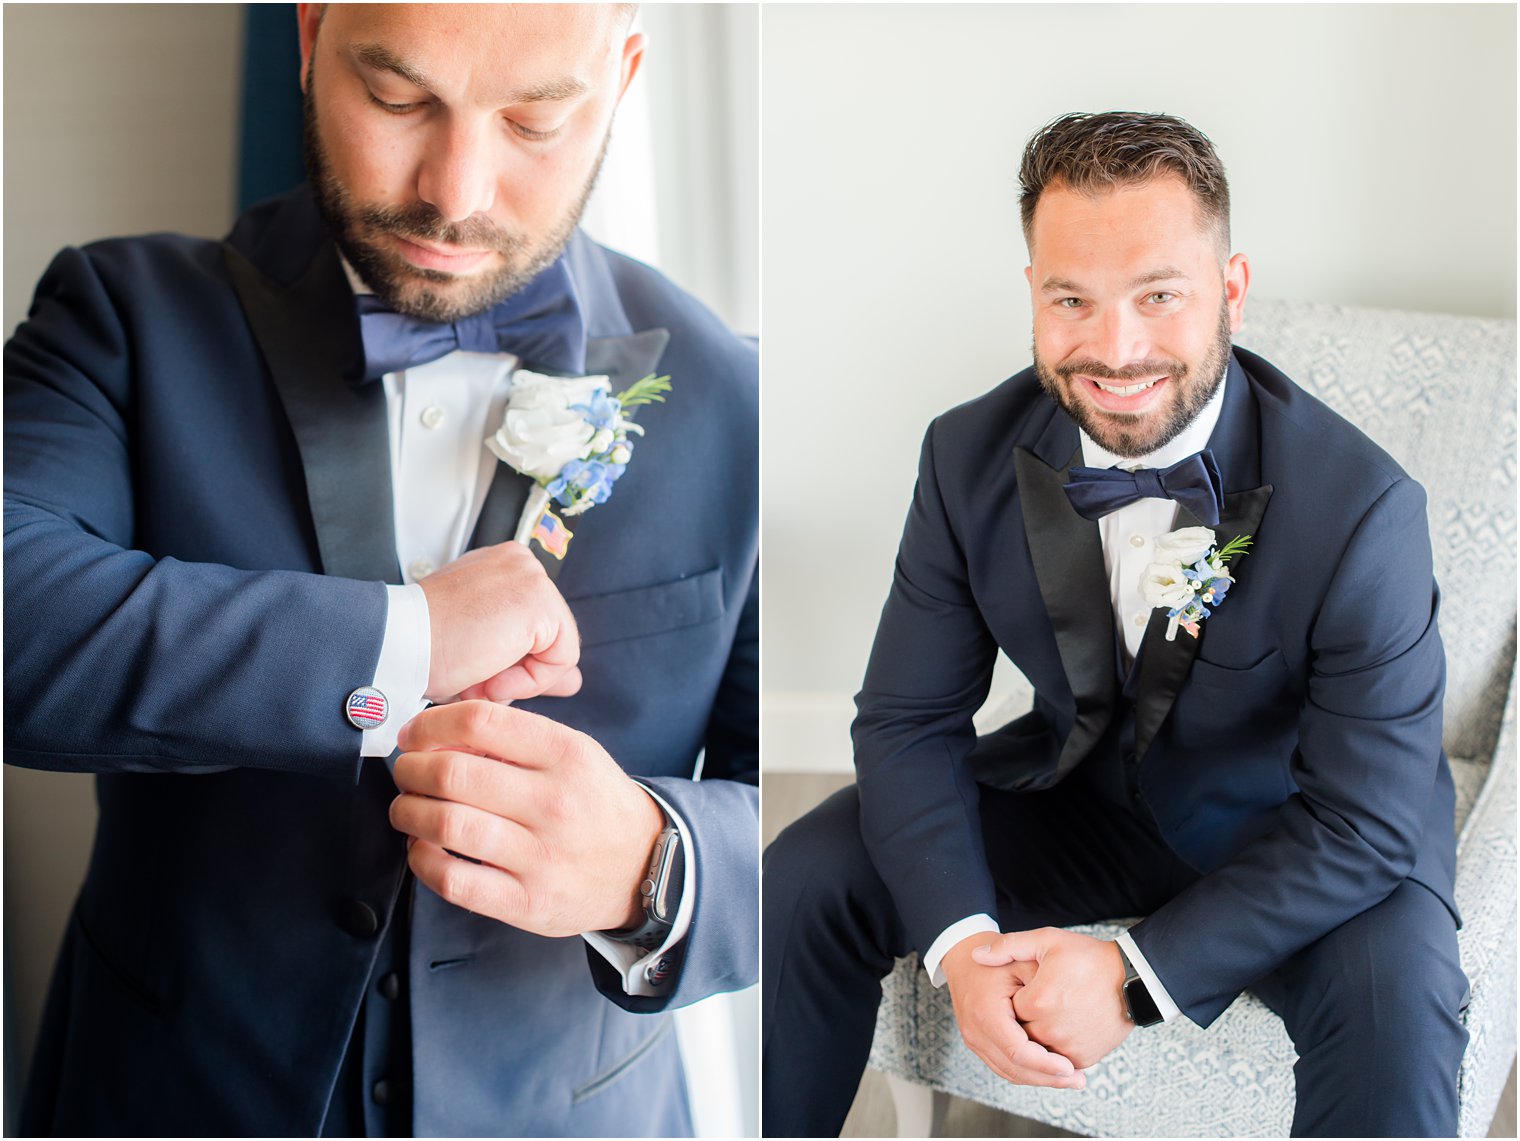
416, 291
1131, 435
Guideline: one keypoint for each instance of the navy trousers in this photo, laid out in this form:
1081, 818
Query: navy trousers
1372, 1008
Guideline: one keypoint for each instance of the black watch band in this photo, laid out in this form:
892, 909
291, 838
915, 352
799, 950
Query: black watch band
659, 893
1139, 1006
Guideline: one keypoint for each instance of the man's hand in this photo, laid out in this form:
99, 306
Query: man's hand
984, 998
501, 631
562, 834
1074, 1004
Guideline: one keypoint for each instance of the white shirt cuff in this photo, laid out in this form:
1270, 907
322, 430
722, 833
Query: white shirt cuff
406, 658
949, 937
1164, 1003
631, 962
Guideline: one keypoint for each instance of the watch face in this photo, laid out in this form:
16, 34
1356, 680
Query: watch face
1142, 1008
669, 879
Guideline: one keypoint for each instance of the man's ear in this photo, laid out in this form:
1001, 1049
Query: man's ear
308, 20
1237, 280
633, 56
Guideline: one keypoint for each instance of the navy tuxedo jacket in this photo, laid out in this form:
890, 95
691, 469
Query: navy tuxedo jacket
198, 524
1291, 754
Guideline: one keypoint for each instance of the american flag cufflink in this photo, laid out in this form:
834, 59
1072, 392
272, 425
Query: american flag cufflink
367, 708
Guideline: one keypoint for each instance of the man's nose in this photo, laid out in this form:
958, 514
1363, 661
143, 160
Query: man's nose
1120, 337
457, 174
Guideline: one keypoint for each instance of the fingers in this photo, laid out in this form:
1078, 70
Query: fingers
488, 729
463, 829
1030, 1055
1027, 1063
558, 642
567, 684
479, 888
1012, 947
492, 608
1026, 1054
528, 678
468, 780
984, 1009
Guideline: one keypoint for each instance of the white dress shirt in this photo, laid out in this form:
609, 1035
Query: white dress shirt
1129, 539
440, 415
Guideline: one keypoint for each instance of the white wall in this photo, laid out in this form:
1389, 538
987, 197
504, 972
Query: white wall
1371, 153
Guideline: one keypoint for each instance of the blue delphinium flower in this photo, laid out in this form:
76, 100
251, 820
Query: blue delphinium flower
584, 481
602, 412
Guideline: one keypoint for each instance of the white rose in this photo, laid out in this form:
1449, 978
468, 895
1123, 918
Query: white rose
1186, 546
540, 441
540, 432
530, 388
1163, 584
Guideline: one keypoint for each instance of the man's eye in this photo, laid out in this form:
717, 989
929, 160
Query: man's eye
1069, 302
393, 108
1161, 297
532, 134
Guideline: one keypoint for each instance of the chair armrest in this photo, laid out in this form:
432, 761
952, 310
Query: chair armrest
1485, 895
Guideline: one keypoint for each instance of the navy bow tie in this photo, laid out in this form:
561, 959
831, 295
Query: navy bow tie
541, 325
1193, 482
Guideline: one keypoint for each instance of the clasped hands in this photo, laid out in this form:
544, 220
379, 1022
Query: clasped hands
562, 836
1038, 1006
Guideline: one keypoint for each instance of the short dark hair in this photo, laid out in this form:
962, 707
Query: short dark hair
1094, 153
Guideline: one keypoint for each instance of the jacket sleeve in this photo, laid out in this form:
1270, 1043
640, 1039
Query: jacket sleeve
929, 671
721, 811
117, 661
1366, 767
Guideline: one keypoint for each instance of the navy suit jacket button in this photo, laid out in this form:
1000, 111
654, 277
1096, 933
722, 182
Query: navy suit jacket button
390, 985
358, 918
382, 1092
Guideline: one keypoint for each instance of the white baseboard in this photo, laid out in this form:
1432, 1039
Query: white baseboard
806, 732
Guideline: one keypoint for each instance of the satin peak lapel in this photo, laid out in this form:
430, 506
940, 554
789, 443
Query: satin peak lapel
308, 333
1164, 665
623, 360
1068, 564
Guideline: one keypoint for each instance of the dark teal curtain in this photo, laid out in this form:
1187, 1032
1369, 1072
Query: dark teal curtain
269, 151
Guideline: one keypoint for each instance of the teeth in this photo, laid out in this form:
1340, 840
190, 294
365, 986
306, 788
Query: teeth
1122, 389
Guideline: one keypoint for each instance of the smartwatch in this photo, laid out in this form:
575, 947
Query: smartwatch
659, 893
1139, 1007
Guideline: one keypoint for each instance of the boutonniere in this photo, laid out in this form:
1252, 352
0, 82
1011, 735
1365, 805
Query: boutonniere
571, 436
1189, 576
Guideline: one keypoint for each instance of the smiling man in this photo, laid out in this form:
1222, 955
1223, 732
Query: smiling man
1222, 594
266, 499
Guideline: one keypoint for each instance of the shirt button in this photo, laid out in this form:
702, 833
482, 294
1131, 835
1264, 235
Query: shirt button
1137, 540
1140, 619
420, 569
432, 416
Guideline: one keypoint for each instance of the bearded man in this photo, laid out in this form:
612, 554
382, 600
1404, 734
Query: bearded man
254, 526
1222, 595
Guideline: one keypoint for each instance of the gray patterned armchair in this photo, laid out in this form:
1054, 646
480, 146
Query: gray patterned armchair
1438, 393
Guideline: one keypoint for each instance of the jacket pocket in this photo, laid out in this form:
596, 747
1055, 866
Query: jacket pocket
688, 601
604, 1079
1262, 676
